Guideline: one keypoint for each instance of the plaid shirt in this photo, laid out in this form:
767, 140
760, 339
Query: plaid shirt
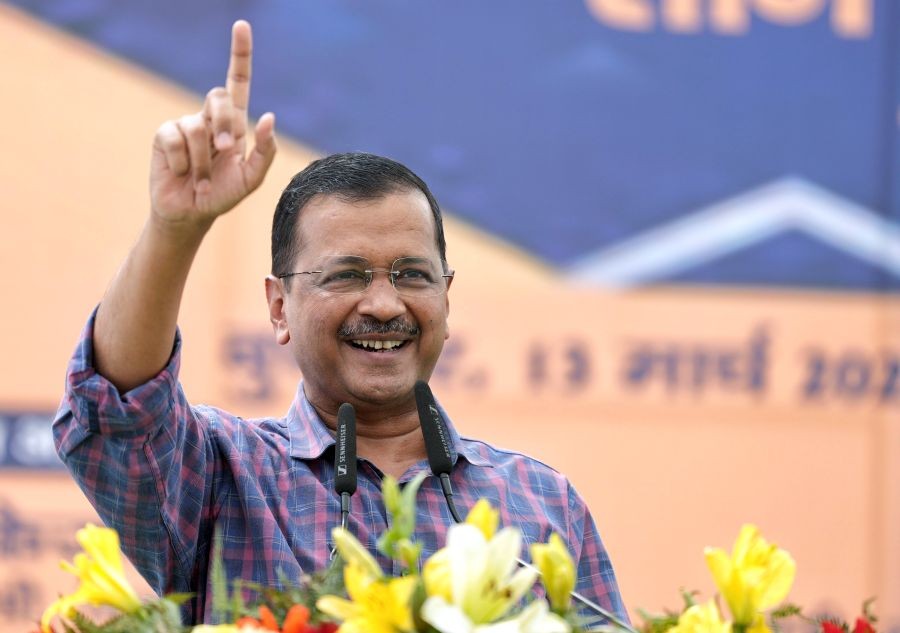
166, 475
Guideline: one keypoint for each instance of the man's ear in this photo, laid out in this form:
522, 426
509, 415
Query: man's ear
275, 295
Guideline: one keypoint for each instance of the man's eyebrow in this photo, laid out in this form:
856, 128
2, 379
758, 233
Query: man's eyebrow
346, 259
358, 259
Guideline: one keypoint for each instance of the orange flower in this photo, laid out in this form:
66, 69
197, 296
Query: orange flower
266, 620
296, 619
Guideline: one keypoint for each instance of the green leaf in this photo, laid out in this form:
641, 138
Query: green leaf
238, 608
867, 612
83, 624
417, 600
408, 552
218, 579
688, 597
179, 599
169, 613
788, 610
408, 505
662, 622
390, 490
401, 511
137, 622
332, 579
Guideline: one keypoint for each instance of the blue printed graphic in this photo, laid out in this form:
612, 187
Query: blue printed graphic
622, 157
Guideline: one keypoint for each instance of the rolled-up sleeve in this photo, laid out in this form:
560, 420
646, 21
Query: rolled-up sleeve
130, 453
98, 407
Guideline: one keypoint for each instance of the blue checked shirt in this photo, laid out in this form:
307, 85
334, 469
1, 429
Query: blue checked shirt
166, 475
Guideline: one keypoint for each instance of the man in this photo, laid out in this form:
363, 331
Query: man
359, 293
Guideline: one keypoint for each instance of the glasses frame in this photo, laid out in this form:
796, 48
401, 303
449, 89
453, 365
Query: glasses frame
370, 277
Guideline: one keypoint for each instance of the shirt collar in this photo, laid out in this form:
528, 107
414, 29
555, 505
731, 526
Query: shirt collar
310, 437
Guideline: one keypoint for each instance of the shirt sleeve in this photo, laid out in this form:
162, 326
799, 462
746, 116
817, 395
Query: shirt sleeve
144, 462
596, 578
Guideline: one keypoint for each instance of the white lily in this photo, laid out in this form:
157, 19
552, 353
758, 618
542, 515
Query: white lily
535, 618
478, 576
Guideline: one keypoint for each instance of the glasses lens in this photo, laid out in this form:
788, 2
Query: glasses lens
416, 277
344, 275
411, 276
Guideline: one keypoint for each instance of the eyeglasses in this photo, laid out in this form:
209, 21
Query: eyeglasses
349, 274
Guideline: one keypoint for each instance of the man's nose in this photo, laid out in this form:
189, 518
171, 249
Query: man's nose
380, 299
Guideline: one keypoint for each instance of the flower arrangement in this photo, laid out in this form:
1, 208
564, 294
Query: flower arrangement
475, 584
753, 580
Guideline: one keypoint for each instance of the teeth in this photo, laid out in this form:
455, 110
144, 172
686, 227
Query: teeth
378, 344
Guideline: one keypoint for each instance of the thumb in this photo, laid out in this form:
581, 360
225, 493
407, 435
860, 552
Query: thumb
257, 164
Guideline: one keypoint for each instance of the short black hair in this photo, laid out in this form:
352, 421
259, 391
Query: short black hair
354, 176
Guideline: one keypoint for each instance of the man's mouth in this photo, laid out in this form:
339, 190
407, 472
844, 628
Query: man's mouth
377, 346
371, 335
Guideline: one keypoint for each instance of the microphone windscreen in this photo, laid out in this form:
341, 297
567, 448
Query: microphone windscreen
345, 450
437, 439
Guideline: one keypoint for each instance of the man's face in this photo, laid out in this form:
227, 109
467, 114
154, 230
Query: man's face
327, 332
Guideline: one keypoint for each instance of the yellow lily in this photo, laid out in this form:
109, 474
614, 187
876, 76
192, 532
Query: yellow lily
484, 517
759, 625
376, 605
102, 576
437, 575
476, 576
701, 618
557, 571
756, 577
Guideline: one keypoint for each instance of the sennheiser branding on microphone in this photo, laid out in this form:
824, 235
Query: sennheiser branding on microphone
345, 452
439, 427
342, 446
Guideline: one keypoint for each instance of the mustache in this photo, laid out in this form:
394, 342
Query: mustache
369, 325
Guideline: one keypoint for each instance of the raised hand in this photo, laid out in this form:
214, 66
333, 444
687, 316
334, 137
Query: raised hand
200, 168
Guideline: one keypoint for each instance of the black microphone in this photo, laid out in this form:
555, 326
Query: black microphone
437, 442
345, 458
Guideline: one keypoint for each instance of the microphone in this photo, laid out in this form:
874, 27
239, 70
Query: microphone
437, 442
345, 458
437, 446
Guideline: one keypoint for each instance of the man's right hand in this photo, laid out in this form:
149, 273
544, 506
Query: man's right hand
200, 168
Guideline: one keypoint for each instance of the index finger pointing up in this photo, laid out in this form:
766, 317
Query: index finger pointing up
238, 82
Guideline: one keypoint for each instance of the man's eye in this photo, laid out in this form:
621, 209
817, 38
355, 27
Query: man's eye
343, 276
413, 274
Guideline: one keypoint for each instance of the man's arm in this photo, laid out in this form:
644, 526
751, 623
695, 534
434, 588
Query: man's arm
199, 170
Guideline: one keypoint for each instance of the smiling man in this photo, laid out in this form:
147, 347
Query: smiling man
359, 291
